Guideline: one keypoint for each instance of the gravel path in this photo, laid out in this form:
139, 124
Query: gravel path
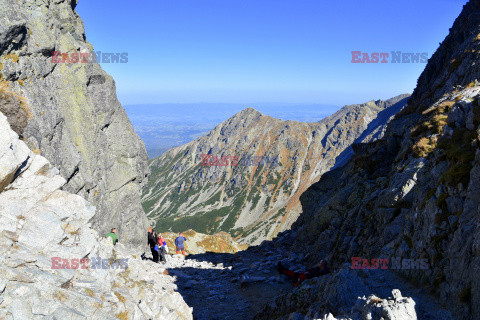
226, 286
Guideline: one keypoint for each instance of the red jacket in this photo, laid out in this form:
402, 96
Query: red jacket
161, 240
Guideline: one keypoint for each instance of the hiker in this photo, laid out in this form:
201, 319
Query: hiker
162, 244
179, 243
319, 270
113, 235
153, 243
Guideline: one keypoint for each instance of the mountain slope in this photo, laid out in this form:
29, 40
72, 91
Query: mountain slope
254, 202
75, 119
415, 193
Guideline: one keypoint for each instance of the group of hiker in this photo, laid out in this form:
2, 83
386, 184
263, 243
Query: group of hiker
157, 244
158, 247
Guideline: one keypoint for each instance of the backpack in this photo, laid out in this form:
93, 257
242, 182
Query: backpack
109, 241
155, 240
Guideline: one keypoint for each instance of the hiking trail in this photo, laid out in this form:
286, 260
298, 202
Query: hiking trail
238, 286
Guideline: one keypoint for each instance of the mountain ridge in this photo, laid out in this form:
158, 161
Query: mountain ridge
301, 148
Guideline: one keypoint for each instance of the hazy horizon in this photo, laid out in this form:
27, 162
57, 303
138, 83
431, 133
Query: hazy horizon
168, 125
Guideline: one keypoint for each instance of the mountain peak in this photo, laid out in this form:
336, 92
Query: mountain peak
246, 198
252, 112
246, 117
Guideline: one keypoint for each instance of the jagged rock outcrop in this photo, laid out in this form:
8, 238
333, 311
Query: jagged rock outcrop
75, 119
345, 295
255, 202
414, 194
39, 223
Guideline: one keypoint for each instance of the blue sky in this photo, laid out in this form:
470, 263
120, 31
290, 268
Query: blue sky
254, 51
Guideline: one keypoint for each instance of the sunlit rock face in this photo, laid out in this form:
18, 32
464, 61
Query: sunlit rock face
75, 119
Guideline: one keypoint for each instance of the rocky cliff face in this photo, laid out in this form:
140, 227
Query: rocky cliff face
40, 224
415, 193
255, 201
75, 119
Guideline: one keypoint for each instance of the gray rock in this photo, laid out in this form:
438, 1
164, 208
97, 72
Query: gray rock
343, 293
12, 106
53, 224
75, 122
